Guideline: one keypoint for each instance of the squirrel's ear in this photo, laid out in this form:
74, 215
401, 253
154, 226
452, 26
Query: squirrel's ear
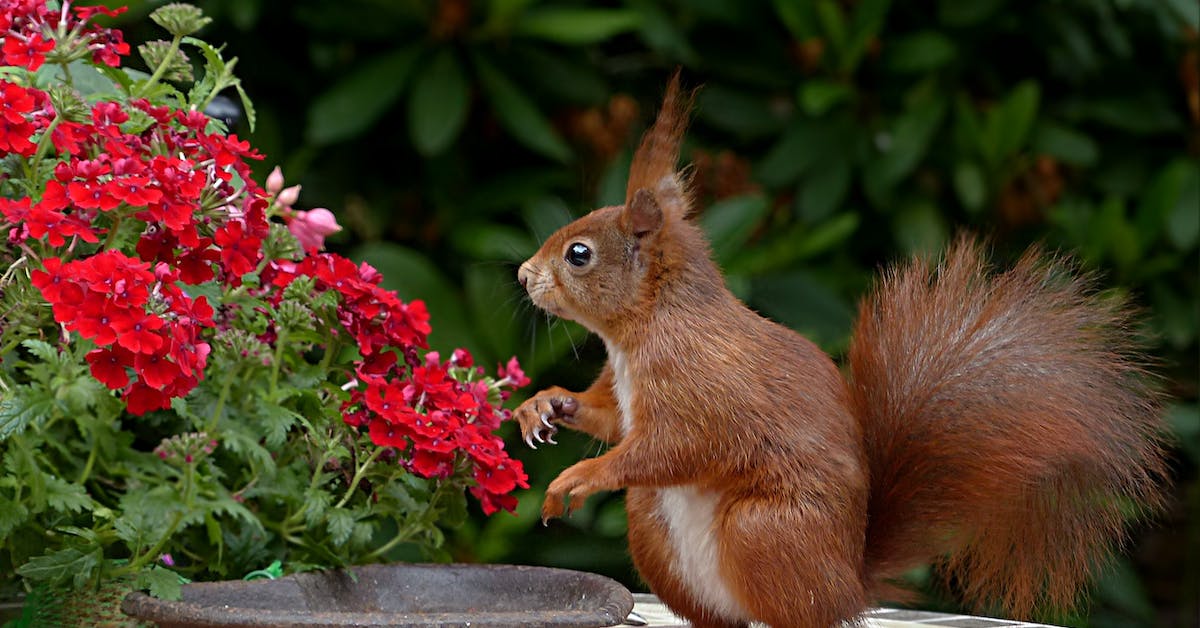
642, 215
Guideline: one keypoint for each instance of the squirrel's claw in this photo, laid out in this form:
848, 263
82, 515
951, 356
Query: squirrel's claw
529, 441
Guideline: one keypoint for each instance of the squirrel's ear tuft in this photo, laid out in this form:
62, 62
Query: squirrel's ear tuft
641, 215
654, 163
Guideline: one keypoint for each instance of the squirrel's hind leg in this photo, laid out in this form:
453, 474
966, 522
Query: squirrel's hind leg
652, 555
792, 564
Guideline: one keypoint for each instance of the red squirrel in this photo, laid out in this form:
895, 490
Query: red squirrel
998, 424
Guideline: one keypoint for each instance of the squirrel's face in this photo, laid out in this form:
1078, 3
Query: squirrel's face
591, 270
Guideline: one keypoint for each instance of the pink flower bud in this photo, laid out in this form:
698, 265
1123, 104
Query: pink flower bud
275, 181
311, 227
289, 196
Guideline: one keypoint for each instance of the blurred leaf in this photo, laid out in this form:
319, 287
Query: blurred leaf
1177, 317
745, 114
502, 13
970, 185
785, 249
833, 23
1170, 203
920, 52
1183, 224
799, 16
730, 222
437, 107
1140, 113
489, 242
568, 79
611, 190
804, 143
959, 13
576, 26
1184, 420
824, 189
360, 98
545, 216
1007, 125
920, 228
413, 276
1065, 144
818, 96
909, 140
1187, 11
865, 25
497, 302
1115, 235
519, 115
662, 32
804, 303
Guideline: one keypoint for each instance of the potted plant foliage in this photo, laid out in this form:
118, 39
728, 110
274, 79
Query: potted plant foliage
189, 388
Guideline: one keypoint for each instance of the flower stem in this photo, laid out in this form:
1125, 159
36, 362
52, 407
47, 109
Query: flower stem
136, 564
220, 406
162, 66
358, 476
402, 535
43, 146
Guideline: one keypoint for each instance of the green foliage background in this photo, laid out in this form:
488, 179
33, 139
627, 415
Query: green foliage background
830, 136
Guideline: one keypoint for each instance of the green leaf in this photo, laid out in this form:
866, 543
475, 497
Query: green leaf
737, 111
437, 106
1183, 223
804, 303
12, 514
492, 242
824, 189
959, 13
339, 523
64, 496
818, 96
162, 583
58, 566
247, 106
910, 139
576, 26
1065, 144
970, 185
360, 98
519, 115
920, 52
21, 407
275, 421
1008, 125
43, 350
730, 222
920, 228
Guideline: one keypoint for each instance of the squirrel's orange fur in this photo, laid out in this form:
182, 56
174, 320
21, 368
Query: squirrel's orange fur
997, 423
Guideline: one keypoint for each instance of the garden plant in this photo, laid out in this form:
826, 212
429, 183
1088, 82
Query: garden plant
189, 387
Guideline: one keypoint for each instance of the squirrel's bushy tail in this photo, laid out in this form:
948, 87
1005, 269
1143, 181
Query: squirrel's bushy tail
1010, 428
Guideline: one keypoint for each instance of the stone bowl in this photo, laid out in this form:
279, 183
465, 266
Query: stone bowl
397, 595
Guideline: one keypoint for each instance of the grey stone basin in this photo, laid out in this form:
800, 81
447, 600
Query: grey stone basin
398, 595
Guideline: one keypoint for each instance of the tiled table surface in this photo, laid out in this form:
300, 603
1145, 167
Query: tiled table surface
657, 615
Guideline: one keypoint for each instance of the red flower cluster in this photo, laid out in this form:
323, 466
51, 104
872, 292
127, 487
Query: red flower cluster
429, 417
141, 319
30, 30
173, 177
203, 219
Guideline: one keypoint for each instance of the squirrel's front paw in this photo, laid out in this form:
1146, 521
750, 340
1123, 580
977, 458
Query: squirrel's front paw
569, 490
535, 416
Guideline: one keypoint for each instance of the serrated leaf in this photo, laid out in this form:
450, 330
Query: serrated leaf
247, 105
12, 514
316, 502
340, 524
437, 106
275, 421
162, 583
21, 407
360, 98
59, 566
519, 115
66, 497
574, 26
45, 351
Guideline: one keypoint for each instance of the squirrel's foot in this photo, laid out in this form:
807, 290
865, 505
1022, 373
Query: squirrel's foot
569, 490
535, 416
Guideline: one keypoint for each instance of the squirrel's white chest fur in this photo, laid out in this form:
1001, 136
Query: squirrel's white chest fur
688, 514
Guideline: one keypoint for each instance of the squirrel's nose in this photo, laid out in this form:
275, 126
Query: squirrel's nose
523, 275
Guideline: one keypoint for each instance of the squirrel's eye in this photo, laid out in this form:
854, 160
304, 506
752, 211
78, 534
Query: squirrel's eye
578, 254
